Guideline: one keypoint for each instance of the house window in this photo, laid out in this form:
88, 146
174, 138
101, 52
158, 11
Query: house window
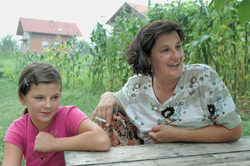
56, 44
45, 45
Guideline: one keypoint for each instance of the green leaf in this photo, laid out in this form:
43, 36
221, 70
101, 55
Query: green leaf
244, 11
204, 38
194, 43
204, 8
211, 22
218, 5
69, 43
185, 19
230, 31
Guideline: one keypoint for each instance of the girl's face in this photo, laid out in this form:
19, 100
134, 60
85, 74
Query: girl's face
42, 102
167, 56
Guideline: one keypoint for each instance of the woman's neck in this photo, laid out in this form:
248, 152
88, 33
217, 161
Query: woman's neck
164, 89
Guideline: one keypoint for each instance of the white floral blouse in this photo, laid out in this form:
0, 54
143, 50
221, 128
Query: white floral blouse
200, 99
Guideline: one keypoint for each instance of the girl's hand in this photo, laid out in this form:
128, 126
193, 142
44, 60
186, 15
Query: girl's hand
106, 109
44, 142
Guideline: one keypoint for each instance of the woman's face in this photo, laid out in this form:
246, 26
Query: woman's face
42, 102
167, 56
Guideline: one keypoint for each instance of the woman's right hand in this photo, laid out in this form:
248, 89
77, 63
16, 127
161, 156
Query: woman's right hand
104, 109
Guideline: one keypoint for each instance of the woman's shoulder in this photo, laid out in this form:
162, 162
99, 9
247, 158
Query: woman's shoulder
198, 67
140, 79
197, 73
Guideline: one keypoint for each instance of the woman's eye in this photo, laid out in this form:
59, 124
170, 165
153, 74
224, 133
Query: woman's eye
165, 50
179, 46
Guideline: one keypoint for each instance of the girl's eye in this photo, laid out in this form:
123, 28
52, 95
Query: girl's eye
38, 98
55, 97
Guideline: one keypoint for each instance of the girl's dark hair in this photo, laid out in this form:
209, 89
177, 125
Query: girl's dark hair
35, 73
140, 48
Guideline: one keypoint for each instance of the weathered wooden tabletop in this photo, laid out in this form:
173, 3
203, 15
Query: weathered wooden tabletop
216, 154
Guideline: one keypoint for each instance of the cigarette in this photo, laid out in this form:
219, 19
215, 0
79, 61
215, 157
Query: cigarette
100, 119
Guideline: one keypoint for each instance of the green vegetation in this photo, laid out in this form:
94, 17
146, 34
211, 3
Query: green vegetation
214, 38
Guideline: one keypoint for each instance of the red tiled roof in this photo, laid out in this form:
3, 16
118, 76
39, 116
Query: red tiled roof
140, 8
45, 26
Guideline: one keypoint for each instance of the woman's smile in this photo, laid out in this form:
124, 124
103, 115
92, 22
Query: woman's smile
174, 65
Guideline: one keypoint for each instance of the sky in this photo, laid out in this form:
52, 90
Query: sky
85, 13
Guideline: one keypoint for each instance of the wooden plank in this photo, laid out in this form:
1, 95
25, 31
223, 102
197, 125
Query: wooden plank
232, 159
154, 152
225, 159
244, 163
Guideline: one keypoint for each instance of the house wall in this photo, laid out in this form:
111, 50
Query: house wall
35, 41
25, 44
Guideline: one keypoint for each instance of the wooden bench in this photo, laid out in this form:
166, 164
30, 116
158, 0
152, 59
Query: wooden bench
219, 154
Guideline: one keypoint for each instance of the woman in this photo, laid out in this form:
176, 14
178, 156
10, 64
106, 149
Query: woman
168, 101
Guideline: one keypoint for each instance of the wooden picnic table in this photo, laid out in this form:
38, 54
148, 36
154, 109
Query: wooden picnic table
216, 154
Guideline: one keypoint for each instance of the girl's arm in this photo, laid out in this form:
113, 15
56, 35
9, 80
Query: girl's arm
12, 155
214, 133
91, 137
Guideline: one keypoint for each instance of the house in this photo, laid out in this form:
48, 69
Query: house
41, 34
134, 9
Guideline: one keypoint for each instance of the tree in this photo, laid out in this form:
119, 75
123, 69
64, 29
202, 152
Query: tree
7, 43
243, 11
84, 46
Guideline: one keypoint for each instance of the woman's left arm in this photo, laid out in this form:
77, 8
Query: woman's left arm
213, 133
91, 137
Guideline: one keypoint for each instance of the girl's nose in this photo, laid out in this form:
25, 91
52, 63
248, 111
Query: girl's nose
47, 104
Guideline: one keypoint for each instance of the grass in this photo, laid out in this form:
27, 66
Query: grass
246, 130
10, 109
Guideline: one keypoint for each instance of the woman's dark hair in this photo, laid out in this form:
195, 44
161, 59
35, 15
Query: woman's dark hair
140, 48
35, 73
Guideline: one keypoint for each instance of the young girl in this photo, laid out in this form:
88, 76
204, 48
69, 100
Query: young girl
46, 129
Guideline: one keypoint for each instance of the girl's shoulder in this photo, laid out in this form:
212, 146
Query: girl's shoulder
66, 111
22, 121
66, 108
18, 130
